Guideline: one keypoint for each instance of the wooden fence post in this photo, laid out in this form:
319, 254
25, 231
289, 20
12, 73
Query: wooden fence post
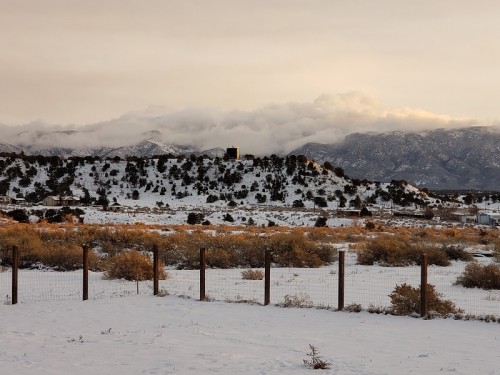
155, 270
423, 286
267, 277
85, 272
203, 264
15, 268
341, 280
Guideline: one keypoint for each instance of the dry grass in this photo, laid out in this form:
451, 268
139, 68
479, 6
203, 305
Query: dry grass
59, 245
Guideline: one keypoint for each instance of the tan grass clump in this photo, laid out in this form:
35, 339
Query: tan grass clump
250, 274
133, 265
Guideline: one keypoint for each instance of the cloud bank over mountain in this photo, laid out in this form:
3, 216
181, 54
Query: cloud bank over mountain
274, 128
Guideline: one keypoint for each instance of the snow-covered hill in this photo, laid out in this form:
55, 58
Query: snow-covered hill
198, 181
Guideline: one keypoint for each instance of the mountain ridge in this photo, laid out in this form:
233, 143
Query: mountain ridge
462, 158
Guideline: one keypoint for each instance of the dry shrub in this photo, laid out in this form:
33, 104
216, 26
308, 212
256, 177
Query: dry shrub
476, 275
385, 250
353, 307
296, 250
133, 265
457, 252
396, 251
297, 300
405, 300
252, 274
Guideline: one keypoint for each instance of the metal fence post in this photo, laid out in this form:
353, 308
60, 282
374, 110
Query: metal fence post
423, 286
155, 270
203, 264
85, 272
341, 280
267, 278
15, 268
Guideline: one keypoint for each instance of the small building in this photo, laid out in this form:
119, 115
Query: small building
17, 200
488, 218
115, 207
4, 199
233, 153
61, 201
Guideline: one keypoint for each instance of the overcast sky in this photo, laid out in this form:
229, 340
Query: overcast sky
87, 61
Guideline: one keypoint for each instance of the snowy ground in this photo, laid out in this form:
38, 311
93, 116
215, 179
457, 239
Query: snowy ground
170, 335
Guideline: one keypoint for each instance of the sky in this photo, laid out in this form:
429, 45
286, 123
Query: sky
88, 62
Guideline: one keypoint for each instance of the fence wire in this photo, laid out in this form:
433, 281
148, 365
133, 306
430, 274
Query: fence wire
366, 286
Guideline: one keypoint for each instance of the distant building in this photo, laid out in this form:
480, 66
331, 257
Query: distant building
17, 200
61, 201
115, 207
488, 219
5, 199
233, 153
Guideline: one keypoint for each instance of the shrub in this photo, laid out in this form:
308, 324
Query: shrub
353, 307
370, 225
315, 362
298, 300
133, 265
252, 274
195, 218
386, 250
296, 250
476, 275
457, 252
320, 222
399, 252
405, 300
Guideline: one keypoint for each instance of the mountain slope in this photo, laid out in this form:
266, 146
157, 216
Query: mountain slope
466, 158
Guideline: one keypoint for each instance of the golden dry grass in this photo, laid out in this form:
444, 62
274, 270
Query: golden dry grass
59, 245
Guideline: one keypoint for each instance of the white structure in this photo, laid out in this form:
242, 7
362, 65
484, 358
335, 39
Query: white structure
488, 218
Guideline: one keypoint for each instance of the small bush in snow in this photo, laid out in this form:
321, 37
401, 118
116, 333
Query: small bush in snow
315, 362
457, 252
252, 274
297, 300
405, 300
353, 307
132, 265
481, 276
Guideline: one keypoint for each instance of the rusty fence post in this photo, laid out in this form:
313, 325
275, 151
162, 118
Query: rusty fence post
267, 277
423, 286
156, 270
85, 272
15, 269
341, 280
203, 264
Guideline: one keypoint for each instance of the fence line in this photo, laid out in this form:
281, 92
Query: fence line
336, 286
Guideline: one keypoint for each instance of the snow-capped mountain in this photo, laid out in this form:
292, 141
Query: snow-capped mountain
467, 158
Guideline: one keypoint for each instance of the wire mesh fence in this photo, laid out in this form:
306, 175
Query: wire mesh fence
366, 286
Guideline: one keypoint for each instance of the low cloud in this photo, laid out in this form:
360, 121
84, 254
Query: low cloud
275, 128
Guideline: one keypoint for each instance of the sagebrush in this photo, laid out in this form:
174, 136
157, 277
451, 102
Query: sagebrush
405, 300
133, 266
252, 274
484, 276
